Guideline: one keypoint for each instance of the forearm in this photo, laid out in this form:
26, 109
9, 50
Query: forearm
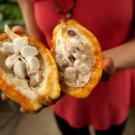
123, 56
29, 19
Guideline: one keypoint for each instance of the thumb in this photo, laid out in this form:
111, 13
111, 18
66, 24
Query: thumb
18, 30
108, 68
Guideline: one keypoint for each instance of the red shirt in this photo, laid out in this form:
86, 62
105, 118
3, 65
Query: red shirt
111, 21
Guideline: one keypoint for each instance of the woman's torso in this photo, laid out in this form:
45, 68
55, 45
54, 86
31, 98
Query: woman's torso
111, 21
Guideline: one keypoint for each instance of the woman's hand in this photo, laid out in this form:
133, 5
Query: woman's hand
108, 68
5, 98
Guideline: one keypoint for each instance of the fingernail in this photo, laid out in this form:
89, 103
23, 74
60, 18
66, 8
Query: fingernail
22, 110
18, 30
4, 97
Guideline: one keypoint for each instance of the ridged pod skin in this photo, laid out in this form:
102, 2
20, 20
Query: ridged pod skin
81, 92
50, 89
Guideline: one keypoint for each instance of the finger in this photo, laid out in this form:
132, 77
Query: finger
108, 69
18, 30
4, 97
108, 66
23, 110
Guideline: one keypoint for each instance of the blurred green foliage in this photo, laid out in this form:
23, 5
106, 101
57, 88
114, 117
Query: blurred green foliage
10, 14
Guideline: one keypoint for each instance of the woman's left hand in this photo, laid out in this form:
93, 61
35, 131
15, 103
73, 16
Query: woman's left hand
108, 68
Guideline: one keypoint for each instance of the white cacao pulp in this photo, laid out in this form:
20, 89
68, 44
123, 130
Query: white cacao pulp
10, 61
74, 57
21, 58
19, 43
29, 51
19, 69
7, 48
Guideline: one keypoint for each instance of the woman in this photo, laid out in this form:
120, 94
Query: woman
106, 109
